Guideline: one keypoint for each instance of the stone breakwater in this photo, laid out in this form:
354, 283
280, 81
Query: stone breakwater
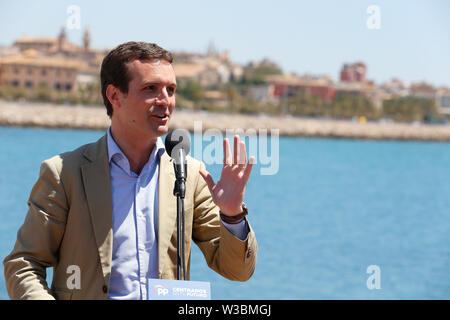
82, 117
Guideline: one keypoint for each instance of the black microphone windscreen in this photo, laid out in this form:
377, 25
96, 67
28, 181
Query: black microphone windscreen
178, 139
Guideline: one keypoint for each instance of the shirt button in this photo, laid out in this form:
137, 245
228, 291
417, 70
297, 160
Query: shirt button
105, 289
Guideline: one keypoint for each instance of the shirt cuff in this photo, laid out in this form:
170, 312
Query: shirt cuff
239, 230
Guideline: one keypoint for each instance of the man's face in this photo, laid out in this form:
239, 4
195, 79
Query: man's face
149, 103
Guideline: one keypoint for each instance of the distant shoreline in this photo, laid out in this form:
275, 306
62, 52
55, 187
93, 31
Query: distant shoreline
46, 115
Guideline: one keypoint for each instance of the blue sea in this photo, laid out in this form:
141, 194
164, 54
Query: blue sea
333, 209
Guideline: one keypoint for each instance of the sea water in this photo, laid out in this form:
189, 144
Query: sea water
335, 211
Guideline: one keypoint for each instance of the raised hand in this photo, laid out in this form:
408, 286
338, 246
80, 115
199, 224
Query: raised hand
228, 193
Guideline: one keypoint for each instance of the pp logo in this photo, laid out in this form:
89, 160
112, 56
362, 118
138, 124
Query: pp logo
160, 290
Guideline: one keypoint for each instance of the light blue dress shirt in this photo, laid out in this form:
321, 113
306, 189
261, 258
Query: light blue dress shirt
135, 223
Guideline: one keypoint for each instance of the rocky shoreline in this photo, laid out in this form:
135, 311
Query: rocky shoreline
95, 118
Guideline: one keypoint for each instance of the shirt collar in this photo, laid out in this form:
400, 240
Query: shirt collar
114, 149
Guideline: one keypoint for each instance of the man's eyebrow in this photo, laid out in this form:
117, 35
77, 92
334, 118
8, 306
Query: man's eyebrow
146, 83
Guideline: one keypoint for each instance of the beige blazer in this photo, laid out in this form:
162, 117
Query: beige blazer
69, 223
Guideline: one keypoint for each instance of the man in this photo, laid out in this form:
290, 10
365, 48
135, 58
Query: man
107, 209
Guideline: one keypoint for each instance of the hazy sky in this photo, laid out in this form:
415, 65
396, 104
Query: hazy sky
413, 42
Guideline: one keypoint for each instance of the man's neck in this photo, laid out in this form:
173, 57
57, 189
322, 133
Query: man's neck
136, 149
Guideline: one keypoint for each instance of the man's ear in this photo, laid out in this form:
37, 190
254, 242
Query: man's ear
113, 94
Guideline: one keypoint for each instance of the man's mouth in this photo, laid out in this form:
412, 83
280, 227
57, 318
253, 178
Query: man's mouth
161, 116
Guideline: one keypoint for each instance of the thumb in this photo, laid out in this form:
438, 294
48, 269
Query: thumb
208, 179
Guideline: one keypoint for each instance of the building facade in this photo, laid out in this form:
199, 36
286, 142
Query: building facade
354, 72
52, 63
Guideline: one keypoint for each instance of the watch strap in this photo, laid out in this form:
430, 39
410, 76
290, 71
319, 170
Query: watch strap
237, 218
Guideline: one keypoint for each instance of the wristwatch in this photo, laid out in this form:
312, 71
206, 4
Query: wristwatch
237, 218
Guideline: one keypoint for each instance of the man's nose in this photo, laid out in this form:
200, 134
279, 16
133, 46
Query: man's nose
163, 97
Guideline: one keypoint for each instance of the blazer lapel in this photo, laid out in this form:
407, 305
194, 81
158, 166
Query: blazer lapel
97, 186
167, 209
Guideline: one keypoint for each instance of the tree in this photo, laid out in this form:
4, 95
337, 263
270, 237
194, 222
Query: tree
305, 104
349, 105
190, 89
11, 92
256, 74
42, 93
409, 109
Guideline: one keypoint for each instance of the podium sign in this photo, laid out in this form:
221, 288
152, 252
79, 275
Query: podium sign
163, 289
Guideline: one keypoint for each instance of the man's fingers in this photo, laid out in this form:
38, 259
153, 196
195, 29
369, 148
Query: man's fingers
226, 152
208, 179
236, 150
242, 154
248, 168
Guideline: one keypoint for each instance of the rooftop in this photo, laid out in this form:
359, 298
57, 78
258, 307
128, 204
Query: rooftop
294, 80
187, 70
29, 39
31, 58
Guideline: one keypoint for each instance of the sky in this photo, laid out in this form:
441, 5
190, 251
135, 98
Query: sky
317, 37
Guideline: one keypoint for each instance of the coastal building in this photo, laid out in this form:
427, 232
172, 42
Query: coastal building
442, 100
205, 75
54, 63
355, 72
210, 69
423, 90
366, 89
7, 51
278, 87
41, 44
218, 98
353, 80
395, 87
30, 70
61, 47
64, 67
264, 93
61, 65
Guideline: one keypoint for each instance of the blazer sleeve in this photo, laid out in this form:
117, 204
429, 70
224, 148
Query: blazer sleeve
229, 256
38, 239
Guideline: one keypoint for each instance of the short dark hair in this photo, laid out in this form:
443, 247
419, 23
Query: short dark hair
115, 70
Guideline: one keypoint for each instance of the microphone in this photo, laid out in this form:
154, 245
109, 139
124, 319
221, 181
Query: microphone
178, 145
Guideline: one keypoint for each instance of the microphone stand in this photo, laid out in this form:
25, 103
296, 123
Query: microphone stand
179, 191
